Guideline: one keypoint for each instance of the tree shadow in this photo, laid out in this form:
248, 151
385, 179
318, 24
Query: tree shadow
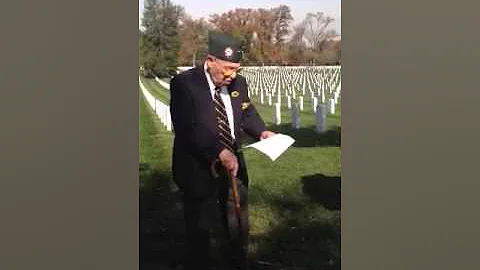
308, 137
304, 239
323, 189
307, 236
162, 234
316, 246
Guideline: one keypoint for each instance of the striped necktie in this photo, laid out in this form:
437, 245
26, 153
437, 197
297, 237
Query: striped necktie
224, 132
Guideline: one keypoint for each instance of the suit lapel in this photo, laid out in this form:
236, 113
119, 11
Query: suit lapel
235, 100
204, 96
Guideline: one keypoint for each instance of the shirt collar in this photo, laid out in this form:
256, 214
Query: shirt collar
209, 79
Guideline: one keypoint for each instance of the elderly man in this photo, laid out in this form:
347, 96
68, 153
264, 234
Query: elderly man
210, 108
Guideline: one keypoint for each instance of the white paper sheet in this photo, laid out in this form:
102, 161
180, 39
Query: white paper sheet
274, 146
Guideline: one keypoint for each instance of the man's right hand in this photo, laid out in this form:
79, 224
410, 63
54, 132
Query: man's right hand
229, 161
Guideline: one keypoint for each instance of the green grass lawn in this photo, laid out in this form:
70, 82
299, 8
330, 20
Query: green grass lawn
156, 89
294, 201
155, 143
161, 218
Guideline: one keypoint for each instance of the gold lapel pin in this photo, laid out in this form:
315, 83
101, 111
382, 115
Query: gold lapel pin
235, 94
245, 105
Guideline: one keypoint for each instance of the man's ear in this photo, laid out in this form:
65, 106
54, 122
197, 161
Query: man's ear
210, 59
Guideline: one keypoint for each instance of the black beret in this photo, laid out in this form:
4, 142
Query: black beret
224, 46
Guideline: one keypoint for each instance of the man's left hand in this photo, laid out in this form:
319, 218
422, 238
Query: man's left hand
266, 134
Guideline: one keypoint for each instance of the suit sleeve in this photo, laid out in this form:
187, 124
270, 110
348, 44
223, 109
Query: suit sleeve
192, 135
253, 124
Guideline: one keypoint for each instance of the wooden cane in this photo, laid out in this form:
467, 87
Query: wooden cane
236, 196
233, 181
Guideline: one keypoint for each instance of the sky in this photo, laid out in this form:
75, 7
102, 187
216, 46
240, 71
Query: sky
299, 8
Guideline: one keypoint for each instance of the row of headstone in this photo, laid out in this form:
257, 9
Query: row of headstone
330, 103
325, 78
162, 83
320, 117
320, 85
289, 92
149, 97
163, 112
161, 109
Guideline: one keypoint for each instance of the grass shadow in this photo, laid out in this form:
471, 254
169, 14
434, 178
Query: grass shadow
307, 237
308, 137
323, 189
303, 239
162, 234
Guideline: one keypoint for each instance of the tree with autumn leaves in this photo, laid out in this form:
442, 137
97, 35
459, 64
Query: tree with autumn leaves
194, 38
267, 35
263, 32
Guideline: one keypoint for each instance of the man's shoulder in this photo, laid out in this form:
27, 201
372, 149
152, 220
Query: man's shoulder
241, 81
241, 78
182, 76
187, 76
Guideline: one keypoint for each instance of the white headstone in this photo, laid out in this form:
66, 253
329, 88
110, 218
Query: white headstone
160, 114
277, 117
304, 85
169, 119
269, 100
289, 102
314, 103
321, 119
293, 94
301, 103
261, 96
157, 107
295, 116
164, 115
332, 106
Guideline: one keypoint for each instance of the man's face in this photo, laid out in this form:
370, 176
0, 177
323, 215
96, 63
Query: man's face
222, 72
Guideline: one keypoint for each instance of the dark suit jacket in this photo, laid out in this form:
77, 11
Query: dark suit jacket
195, 144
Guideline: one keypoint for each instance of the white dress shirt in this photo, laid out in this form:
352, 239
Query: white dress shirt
225, 98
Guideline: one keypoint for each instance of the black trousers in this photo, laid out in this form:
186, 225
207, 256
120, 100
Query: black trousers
215, 216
